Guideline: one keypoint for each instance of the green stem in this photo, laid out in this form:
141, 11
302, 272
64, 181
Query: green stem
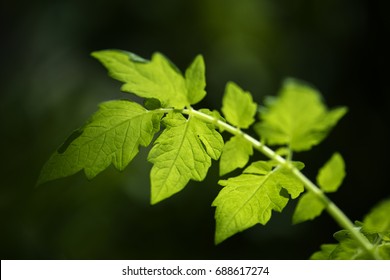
337, 214
330, 207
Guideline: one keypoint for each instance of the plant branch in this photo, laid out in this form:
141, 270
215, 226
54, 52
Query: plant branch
334, 211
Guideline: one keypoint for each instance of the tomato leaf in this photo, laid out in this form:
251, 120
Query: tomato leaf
375, 227
238, 106
112, 135
249, 198
158, 78
182, 152
332, 174
196, 80
378, 220
297, 118
308, 207
235, 154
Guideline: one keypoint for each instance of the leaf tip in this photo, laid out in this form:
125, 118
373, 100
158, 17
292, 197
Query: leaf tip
332, 174
112, 52
40, 181
199, 59
220, 237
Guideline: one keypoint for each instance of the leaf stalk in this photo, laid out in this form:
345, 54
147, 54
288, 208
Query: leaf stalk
334, 211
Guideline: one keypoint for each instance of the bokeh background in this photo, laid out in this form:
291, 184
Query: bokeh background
50, 85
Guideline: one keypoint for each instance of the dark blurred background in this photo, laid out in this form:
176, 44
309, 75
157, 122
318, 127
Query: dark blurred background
50, 85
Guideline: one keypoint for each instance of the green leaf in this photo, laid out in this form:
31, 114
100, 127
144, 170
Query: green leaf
157, 78
349, 249
196, 80
182, 152
384, 251
297, 118
112, 135
325, 252
378, 220
308, 208
238, 106
332, 174
235, 154
249, 198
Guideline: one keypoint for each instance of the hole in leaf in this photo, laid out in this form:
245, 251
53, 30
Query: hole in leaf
75, 134
283, 192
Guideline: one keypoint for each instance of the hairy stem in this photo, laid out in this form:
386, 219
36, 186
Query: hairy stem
330, 207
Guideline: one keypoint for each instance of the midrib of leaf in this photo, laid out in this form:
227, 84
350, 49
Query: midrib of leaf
124, 74
102, 144
124, 140
115, 127
174, 88
104, 133
178, 152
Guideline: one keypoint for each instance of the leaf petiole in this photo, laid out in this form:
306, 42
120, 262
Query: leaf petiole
334, 211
